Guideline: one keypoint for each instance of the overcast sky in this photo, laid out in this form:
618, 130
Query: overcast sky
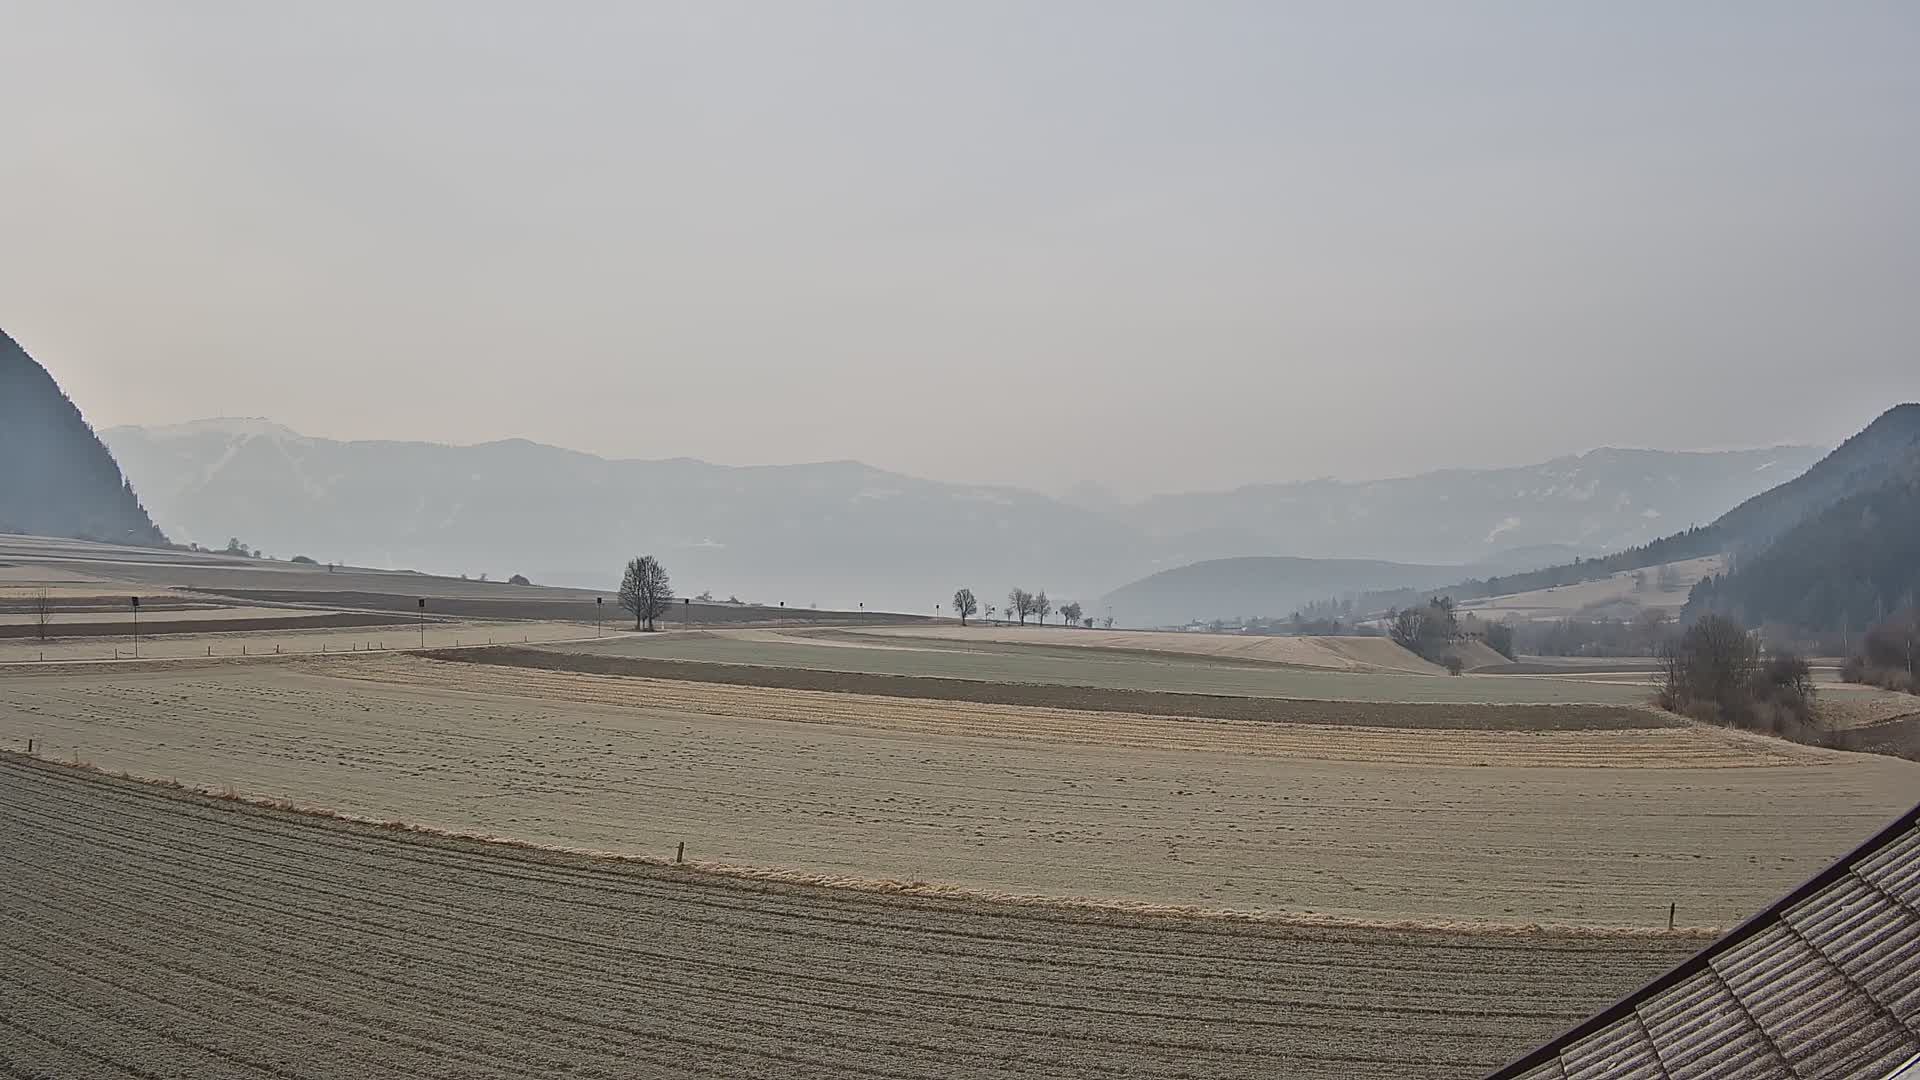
1155, 246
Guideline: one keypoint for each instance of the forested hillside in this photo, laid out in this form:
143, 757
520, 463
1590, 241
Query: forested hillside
56, 478
1882, 451
1845, 568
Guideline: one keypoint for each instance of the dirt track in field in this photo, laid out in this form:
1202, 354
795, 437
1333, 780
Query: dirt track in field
161, 934
1374, 823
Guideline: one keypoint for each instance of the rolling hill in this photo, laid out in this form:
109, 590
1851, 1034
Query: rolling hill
1268, 586
56, 477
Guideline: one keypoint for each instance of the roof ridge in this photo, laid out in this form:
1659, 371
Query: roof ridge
1839, 870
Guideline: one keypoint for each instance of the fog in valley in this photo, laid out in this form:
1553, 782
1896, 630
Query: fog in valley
1146, 247
843, 303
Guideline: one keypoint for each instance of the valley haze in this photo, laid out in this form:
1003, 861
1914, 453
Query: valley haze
842, 534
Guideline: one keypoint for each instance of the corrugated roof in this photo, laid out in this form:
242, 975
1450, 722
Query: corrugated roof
1825, 983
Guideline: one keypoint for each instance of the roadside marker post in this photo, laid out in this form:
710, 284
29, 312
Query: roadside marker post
136, 625
423, 622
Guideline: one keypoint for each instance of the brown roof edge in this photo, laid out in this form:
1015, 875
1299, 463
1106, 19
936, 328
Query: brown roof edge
1697, 962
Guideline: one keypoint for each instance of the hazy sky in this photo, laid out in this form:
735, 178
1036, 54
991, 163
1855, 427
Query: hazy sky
1152, 245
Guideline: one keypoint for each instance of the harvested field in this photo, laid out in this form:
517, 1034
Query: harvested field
1365, 713
318, 634
158, 933
1850, 705
1613, 595
1335, 653
228, 621
991, 662
1368, 823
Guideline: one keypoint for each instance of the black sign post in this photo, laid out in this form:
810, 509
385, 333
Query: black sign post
135, 601
599, 604
423, 622
686, 612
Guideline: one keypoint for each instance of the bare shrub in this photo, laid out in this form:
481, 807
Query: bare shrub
1714, 673
42, 609
1888, 654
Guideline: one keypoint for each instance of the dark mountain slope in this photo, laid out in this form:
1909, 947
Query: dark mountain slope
1841, 569
1866, 461
56, 478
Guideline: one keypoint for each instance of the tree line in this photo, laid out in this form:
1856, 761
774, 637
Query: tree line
646, 591
1020, 605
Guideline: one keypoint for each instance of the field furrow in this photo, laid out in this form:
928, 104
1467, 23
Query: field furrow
1605, 824
159, 933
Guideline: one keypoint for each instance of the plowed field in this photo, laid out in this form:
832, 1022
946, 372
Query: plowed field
153, 933
1599, 826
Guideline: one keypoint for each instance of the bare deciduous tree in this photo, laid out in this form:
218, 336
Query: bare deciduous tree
1711, 665
1042, 607
1020, 603
964, 604
42, 613
645, 591
1070, 613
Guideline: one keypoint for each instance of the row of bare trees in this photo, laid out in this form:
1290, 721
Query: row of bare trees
1020, 605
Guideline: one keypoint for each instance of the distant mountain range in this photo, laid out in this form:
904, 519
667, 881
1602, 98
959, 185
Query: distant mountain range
834, 533
844, 533
1603, 500
56, 479
1833, 549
